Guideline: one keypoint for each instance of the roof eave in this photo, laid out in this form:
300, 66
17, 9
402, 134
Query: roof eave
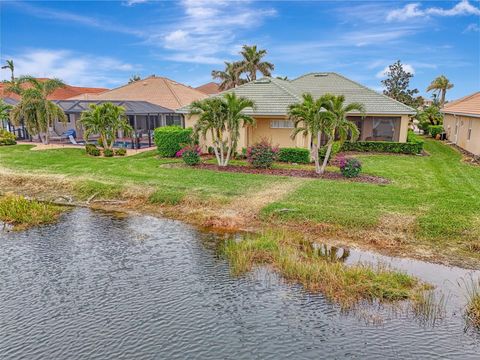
444, 111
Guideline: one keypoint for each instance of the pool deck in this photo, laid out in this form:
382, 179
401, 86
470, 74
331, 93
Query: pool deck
40, 147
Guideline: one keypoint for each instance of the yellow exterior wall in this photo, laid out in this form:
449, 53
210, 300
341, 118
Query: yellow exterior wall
280, 137
462, 124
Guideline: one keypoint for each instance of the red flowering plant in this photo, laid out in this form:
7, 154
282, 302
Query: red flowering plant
349, 167
189, 148
262, 154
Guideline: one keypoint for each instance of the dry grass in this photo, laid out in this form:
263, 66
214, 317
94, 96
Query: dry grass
23, 213
297, 260
472, 311
429, 308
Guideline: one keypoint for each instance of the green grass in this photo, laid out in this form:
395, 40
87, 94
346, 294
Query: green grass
166, 197
295, 259
23, 213
441, 192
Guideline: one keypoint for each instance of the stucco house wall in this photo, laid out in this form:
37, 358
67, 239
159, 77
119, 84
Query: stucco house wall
458, 127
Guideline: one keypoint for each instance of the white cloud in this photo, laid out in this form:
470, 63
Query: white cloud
383, 73
414, 10
208, 30
472, 28
73, 68
134, 2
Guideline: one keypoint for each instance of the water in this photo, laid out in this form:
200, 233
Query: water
101, 286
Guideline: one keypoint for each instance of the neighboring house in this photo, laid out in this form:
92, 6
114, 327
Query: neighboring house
210, 88
63, 93
462, 122
386, 119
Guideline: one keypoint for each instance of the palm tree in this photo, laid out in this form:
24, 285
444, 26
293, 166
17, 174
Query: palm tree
134, 78
35, 110
221, 118
4, 110
252, 62
440, 85
309, 118
340, 128
105, 120
11, 67
230, 77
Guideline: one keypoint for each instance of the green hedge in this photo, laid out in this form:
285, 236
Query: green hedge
336, 148
294, 155
413, 146
169, 139
7, 138
435, 130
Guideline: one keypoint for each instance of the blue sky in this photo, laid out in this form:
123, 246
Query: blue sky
103, 43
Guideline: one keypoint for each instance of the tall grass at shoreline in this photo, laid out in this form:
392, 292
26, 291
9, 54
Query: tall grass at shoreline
296, 259
23, 213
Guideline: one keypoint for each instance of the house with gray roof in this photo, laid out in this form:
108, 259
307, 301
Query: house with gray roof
385, 119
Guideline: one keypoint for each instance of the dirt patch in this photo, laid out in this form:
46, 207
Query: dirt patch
301, 173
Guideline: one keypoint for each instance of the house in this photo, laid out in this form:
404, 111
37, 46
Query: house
210, 88
462, 122
59, 94
386, 119
154, 89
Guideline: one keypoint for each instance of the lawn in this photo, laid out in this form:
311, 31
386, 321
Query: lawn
437, 195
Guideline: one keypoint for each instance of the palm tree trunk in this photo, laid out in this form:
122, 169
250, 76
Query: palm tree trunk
316, 149
327, 156
442, 100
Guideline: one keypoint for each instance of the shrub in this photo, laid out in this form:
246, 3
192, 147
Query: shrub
336, 147
91, 149
350, 167
414, 145
435, 130
169, 139
242, 155
191, 157
120, 152
262, 154
211, 150
194, 148
108, 152
7, 138
294, 155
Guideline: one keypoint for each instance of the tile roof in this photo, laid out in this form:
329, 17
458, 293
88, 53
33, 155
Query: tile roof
273, 96
131, 107
210, 88
59, 94
468, 105
154, 89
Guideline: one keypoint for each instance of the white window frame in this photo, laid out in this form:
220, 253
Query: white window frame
281, 124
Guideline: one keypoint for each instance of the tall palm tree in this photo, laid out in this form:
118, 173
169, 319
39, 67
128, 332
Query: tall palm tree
221, 118
11, 67
105, 120
230, 77
4, 110
252, 62
310, 118
440, 85
37, 112
340, 127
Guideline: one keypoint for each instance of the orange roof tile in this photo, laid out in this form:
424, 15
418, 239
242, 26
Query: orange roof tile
209, 88
468, 105
59, 94
155, 89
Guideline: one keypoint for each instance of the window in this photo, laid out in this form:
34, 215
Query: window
383, 129
70, 117
281, 124
174, 119
469, 133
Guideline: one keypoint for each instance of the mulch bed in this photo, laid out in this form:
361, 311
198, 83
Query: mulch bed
293, 172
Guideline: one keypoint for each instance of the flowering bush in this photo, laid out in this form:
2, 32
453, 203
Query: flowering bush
262, 154
350, 167
193, 148
191, 157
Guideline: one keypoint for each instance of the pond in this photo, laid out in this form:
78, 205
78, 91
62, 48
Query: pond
99, 285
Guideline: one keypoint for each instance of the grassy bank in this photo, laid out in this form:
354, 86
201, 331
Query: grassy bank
431, 208
297, 260
23, 213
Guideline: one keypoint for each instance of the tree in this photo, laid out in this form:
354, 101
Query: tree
397, 85
134, 78
340, 128
37, 112
230, 77
4, 110
222, 117
310, 118
105, 120
11, 67
440, 85
252, 62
